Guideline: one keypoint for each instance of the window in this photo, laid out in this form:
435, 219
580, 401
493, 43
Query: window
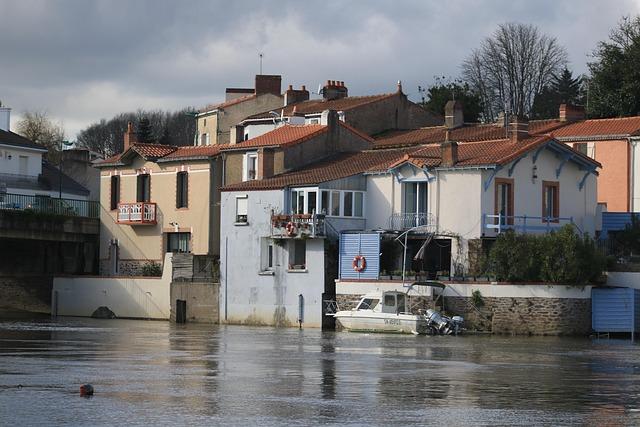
267, 254
581, 147
390, 300
144, 188
182, 189
348, 203
203, 139
368, 304
304, 201
178, 242
250, 168
312, 197
241, 209
504, 201
297, 254
342, 203
415, 197
550, 201
401, 307
115, 192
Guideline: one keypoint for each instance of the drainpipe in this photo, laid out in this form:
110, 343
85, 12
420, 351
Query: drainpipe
632, 174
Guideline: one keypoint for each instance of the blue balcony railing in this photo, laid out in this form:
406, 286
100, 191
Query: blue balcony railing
49, 205
523, 223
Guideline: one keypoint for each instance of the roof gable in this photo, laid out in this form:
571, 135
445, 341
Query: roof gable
15, 140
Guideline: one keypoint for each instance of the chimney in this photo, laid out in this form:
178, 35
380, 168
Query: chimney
130, 137
334, 90
448, 153
571, 113
268, 84
501, 121
293, 96
453, 116
519, 129
5, 116
236, 134
265, 163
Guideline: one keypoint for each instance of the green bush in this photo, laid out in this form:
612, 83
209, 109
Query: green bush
562, 257
152, 269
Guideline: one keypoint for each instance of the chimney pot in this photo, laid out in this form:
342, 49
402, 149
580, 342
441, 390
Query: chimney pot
449, 153
290, 87
303, 87
519, 129
453, 114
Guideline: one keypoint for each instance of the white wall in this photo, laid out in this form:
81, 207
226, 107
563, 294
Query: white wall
132, 297
517, 291
246, 295
623, 279
10, 160
379, 196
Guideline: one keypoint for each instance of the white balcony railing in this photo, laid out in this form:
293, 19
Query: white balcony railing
523, 223
140, 213
405, 221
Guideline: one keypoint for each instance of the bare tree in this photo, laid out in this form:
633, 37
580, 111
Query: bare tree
39, 128
511, 67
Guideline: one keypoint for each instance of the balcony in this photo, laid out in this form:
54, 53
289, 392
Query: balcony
49, 205
405, 221
284, 226
522, 223
139, 213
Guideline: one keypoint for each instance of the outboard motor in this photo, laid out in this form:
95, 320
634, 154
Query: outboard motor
436, 320
456, 324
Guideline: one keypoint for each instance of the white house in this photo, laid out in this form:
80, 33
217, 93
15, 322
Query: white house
278, 255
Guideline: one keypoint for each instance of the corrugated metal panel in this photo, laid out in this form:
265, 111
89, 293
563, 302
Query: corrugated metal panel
615, 221
365, 244
615, 309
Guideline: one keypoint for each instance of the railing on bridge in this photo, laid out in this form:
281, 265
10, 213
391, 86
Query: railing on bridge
49, 205
523, 223
405, 221
139, 213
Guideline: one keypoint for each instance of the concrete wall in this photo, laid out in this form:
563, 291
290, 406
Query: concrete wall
250, 295
139, 244
26, 293
202, 300
129, 297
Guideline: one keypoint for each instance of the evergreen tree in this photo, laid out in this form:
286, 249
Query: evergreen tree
563, 89
144, 131
436, 96
614, 86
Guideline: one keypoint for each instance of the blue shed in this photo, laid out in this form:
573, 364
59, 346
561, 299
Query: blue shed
365, 245
615, 310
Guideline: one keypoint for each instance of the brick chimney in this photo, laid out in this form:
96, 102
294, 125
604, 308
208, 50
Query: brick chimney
571, 113
265, 163
130, 137
334, 89
448, 153
268, 84
293, 96
453, 114
519, 129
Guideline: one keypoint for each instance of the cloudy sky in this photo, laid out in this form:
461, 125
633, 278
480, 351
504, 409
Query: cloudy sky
83, 60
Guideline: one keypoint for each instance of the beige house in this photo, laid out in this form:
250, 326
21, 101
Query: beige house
156, 199
215, 121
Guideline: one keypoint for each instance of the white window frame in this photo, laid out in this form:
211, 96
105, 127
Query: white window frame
305, 198
341, 195
240, 201
245, 165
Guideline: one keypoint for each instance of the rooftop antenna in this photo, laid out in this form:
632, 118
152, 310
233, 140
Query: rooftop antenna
261, 55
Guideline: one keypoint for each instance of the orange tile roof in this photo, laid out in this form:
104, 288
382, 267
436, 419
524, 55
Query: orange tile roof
624, 126
193, 152
319, 105
152, 151
282, 136
466, 133
162, 153
227, 104
482, 153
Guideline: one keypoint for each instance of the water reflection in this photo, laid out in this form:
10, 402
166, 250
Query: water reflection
157, 373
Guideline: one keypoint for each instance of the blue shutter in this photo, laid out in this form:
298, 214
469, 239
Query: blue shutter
364, 244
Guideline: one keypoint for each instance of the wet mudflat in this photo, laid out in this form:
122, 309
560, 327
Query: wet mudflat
154, 373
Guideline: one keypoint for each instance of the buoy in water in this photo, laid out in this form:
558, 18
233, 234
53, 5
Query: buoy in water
86, 390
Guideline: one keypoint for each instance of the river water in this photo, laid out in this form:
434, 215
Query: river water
155, 373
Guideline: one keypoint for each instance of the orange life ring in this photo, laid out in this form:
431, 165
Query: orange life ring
291, 229
359, 263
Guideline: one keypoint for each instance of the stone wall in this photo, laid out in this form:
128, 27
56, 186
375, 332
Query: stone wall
125, 267
524, 316
201, 300
26, 293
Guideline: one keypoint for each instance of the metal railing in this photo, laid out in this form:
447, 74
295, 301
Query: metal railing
137, 213
50, 205
405, 221
523, 223
298, 225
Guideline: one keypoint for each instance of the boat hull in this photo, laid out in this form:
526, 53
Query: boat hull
356, 321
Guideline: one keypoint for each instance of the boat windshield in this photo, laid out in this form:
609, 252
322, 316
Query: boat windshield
368, 304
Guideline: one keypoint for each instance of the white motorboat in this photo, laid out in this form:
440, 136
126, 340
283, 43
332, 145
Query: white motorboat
388, 312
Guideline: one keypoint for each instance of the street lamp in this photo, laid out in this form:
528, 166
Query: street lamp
62, 145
